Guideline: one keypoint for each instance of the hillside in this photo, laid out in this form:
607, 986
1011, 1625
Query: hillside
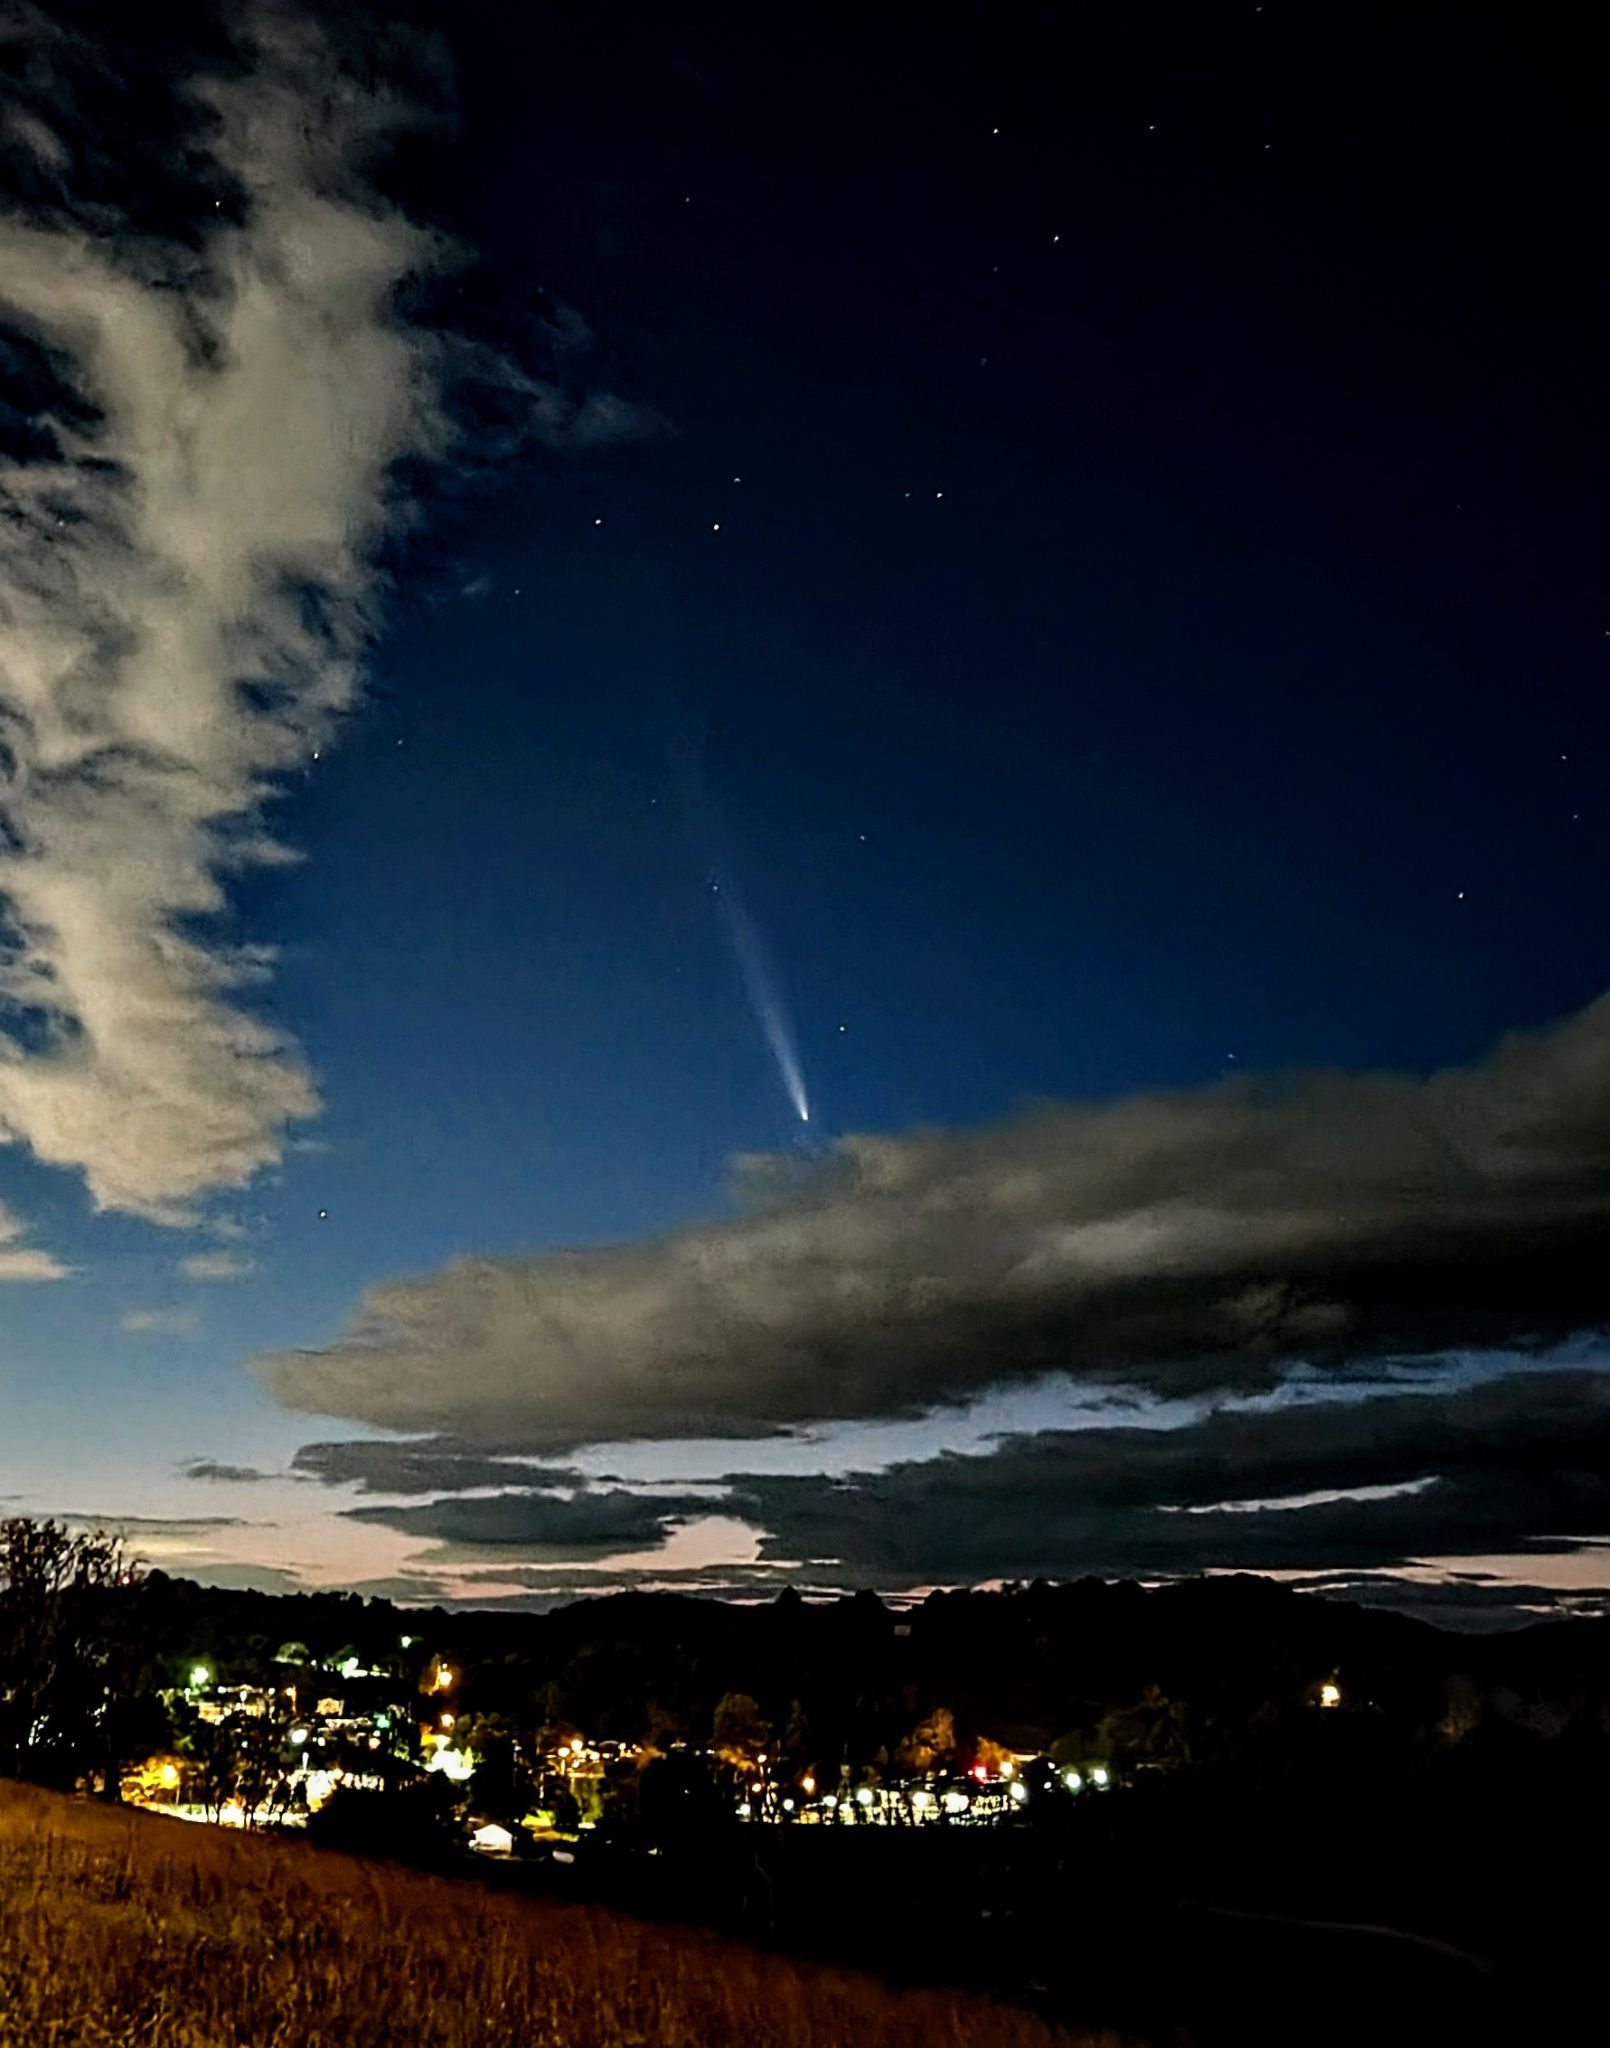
119, 1928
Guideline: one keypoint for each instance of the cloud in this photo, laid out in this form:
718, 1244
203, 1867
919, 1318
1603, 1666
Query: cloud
161, 1322
610, 1522
430, 1467
210, 1470
1456, 1601
213, 405
1520, 1464
1187, 1242
1385, 1491
21, 1261
154, 1528
244, 1578
216, 1266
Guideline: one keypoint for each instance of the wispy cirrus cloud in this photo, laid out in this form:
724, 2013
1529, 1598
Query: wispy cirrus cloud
216, 1266
214, 400
161, 1322
187, 582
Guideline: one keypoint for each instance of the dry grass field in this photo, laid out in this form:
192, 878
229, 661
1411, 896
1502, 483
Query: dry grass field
119, 1928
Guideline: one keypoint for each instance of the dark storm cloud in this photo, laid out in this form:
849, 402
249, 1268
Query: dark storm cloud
1521, 1464
601, 1524
1185, 1242
431, 1467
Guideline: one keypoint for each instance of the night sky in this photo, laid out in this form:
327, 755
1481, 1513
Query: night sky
577, 583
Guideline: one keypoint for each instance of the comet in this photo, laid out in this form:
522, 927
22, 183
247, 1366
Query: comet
762, 989
764, 994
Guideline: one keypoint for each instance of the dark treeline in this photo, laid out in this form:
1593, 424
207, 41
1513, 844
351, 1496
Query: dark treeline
1210, 1674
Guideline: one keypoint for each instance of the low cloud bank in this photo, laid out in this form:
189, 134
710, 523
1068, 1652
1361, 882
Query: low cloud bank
1189, 1242
1339, 1488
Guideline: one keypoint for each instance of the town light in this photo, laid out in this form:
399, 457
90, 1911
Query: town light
1330, 1695
447, 1720
864, 1796
922, 1799
1099, 1775
409, 1641
956, 1802
170, 1775
1072, 1780
1020, 1792
1008, 1769
199, 1676
980, 1773
298, 1737
788, 1806
807, 1785
351, 1667
444, 1679
744, 1810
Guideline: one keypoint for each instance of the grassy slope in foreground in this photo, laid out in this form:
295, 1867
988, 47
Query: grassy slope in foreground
123, 1928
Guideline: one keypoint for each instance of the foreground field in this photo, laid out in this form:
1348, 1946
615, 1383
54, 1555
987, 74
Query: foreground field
119, 1928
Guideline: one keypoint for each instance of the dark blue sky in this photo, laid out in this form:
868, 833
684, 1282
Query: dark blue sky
1122, 529
1263, 600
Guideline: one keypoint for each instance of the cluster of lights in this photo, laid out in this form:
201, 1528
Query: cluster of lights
1099, 1776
